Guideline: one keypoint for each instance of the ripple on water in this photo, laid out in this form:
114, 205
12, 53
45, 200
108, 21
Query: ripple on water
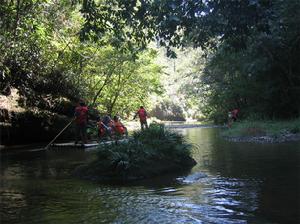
159, 206
33, 193
195, 177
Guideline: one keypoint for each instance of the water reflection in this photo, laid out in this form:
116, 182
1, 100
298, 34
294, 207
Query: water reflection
232, 183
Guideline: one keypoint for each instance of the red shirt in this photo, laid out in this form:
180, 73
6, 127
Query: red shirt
142, 114
81, 113
119, 127
234, 113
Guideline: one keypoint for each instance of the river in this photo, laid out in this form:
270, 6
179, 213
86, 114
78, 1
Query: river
232, 183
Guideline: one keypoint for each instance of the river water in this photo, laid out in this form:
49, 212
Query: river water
232, 183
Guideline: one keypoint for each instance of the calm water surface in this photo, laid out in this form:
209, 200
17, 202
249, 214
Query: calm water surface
232, 183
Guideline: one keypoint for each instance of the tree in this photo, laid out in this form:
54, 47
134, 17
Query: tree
43, 57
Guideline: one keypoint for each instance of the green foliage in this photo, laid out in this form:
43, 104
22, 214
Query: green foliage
161, 139
123, 83
150, 152
178, 79
32, 50
168, 110
262, 127
255, 64
96, 50
42, 56
174, 22
261, 78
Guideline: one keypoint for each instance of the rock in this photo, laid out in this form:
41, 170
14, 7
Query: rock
194, 177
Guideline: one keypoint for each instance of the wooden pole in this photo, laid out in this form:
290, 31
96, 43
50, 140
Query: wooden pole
60, 133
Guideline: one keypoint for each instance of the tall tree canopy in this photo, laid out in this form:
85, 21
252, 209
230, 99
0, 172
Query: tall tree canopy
175, 22
54, 50
253, 46
43, 56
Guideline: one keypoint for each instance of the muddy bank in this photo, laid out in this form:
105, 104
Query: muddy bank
286, 137
192, 126
263, 131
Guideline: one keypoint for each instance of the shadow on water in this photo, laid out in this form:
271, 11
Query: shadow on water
232, 183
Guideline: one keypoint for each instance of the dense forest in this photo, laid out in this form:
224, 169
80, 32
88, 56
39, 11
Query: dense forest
183, 59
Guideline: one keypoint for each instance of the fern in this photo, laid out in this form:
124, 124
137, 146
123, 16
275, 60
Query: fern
148, 150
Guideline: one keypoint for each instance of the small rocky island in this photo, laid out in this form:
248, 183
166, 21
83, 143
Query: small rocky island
151, 152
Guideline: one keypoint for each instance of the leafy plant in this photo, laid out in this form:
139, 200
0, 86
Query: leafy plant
150, 152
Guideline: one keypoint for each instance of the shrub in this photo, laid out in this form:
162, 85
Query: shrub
150, 152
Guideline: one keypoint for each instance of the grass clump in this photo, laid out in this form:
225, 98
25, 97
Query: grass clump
148, 153
262, 128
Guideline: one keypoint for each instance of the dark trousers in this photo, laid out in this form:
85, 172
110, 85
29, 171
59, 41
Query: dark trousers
143, 123
80, 131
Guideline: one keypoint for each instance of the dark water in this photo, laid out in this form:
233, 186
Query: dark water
232, 183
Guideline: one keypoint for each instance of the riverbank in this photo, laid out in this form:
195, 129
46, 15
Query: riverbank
131, 126
264, 131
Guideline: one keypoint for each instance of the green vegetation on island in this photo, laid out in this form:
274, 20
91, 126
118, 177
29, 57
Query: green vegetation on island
151, 152
264, 131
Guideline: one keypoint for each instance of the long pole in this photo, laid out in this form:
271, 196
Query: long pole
60, 133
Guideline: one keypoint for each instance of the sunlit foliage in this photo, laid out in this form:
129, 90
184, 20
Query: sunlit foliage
60, 51
43, 56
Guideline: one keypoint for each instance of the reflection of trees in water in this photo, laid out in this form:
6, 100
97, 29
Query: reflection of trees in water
32, 184
12, 202
262, 178
46, 164
223, 189
18, 186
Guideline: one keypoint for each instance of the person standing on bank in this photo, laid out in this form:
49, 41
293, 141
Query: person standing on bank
143, 117
81, 119
232, 117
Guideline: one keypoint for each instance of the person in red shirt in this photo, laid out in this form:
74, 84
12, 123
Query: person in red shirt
143, 117
105, 127
101, 128
119, 128
232, 116
81, 119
